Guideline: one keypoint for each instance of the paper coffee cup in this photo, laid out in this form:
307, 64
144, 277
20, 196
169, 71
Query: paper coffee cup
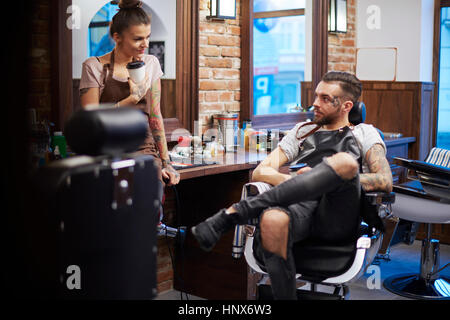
136, 70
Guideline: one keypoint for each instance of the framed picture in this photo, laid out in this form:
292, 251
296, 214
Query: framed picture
157, 48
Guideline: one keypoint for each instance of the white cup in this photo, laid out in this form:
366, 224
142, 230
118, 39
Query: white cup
136, 70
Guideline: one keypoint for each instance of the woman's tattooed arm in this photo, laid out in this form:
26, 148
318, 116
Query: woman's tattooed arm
380, 176
156, 120
159, 136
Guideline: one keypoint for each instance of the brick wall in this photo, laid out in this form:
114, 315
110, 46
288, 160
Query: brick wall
40, 83
219, 65
164, 264
342, 46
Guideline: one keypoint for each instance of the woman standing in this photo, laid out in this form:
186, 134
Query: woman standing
105, 79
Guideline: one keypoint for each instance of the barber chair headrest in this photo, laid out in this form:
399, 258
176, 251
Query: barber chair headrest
357, 114
106, 131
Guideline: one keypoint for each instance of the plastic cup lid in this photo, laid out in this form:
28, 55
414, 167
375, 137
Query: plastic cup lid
135, 64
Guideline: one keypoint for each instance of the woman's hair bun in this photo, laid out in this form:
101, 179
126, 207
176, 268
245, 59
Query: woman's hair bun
128, 4
130, 13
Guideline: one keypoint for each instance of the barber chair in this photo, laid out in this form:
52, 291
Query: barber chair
101, 206
424, 199
327, 268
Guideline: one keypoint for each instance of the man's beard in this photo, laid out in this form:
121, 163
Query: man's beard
328, 119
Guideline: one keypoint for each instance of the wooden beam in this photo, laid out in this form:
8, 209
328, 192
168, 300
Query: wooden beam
61, 63
320, 40
187, 63
247, 16
280, 13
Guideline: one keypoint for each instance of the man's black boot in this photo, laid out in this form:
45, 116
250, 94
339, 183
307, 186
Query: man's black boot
282, 276
209, 232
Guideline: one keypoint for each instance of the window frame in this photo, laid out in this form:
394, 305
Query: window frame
438, 5
319, 64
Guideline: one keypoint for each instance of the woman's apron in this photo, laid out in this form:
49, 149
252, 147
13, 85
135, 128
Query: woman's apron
115, 91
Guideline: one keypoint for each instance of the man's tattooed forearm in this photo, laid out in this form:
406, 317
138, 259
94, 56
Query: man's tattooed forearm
375, 182
380, 176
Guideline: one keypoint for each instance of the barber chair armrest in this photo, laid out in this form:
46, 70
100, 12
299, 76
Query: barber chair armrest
435, 179
414, 188
376, 208
443, 173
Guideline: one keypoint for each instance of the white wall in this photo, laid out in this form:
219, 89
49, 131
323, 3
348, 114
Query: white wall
406, 25
426, 46
163, 29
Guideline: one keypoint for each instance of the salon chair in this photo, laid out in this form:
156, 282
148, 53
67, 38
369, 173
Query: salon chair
100, 207
327, 268
424, 199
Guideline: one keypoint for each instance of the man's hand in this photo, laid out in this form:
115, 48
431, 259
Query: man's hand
303, 170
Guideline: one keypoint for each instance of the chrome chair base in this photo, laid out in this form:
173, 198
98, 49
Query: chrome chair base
412, 286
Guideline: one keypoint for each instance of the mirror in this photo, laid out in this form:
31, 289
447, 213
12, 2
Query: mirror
80, 27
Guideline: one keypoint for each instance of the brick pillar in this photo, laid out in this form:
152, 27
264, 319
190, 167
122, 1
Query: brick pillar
219, 65
342, 46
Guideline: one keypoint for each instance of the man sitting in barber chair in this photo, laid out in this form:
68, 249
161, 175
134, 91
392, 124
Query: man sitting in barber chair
323, 200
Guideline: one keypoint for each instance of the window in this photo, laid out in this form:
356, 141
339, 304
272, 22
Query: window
278, 62
278, 55
443, 121
100, 41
